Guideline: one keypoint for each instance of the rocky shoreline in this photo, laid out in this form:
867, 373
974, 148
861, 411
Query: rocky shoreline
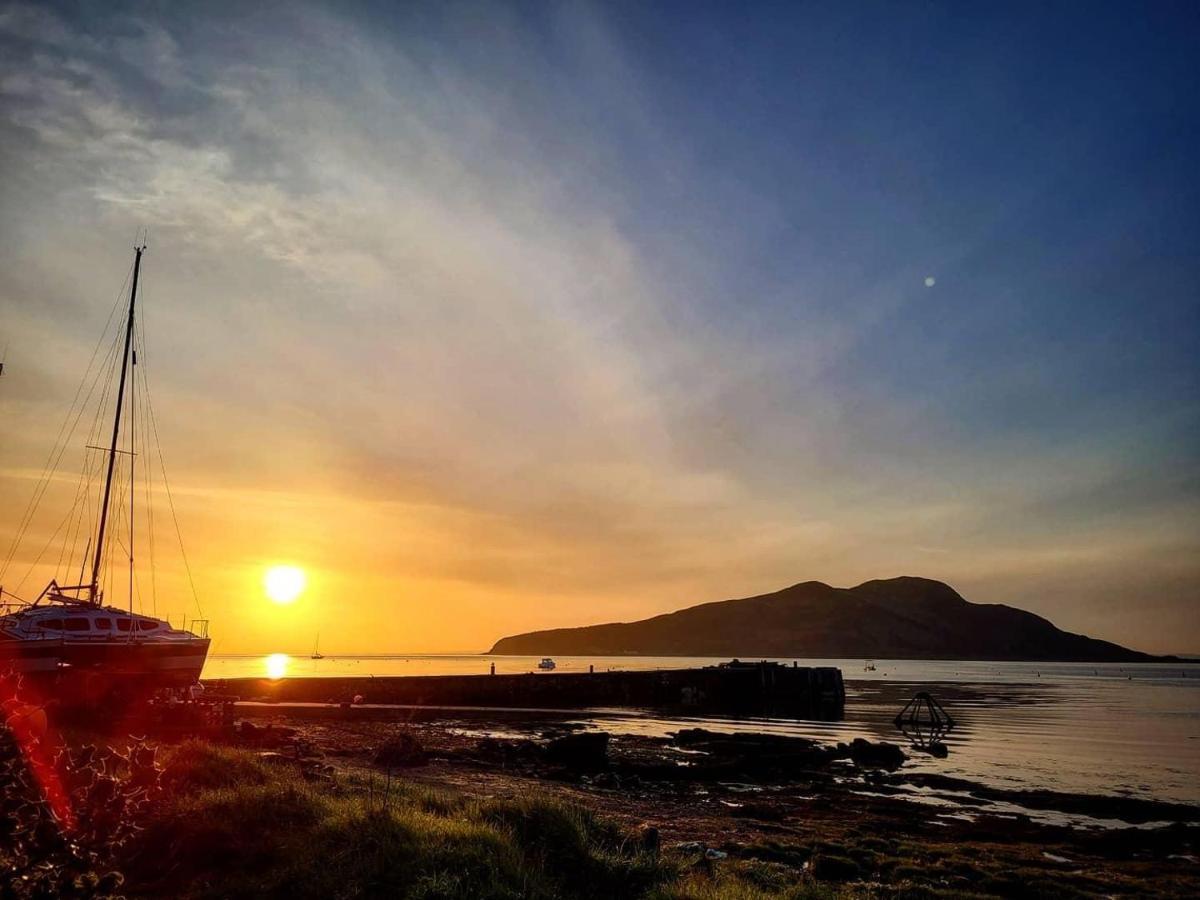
846, 813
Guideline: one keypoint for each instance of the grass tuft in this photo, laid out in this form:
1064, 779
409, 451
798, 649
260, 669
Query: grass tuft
196, 765
233, 827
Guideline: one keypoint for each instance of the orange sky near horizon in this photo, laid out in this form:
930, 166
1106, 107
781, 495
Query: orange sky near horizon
387, 577
491, 328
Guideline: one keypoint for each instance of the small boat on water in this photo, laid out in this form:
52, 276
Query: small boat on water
68, 641
317, 654
869, 666
547, 664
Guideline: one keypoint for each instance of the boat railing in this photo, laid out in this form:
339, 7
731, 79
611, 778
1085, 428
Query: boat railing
57, 636
198, 627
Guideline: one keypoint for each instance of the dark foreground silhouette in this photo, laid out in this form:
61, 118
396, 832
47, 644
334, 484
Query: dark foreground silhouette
317, 811
896, 618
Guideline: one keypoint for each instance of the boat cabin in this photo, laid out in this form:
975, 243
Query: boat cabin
81, 622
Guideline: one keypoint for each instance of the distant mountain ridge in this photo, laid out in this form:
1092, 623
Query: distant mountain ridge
895, 618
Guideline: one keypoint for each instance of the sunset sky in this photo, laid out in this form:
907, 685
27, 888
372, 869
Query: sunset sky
497, 317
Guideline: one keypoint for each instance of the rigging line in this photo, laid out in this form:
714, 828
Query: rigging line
32, 506
48, 474
141, 603
166, 483
95, 433
132, 479
47, 470
101, 418
118, 519
69, 540
82, 497
33, 565
44, 485
119, 540
94, 430
73, 528
170, 497
98, 420
91, 466
148, 474
102, 576
104, 376
90, 518
79, 508
137, 442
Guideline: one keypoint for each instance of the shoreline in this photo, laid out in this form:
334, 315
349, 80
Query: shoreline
511, 742
693, 814
754, 797
1012, 732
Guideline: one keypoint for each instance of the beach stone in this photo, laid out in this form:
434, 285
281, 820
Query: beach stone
606, 780
686, 737
882, 755
587, 750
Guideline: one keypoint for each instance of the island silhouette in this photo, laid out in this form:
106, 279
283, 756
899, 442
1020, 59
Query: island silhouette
894, 618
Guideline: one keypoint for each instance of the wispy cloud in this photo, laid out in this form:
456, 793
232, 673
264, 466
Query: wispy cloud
411, 312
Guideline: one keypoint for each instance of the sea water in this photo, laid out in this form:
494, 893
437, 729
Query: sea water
1130, 730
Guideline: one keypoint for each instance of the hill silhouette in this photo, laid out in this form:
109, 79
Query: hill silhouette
895, 618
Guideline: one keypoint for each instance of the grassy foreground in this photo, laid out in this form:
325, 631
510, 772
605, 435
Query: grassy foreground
232, 825
199, 821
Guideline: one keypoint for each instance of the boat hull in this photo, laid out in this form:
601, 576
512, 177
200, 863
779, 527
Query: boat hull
85, 670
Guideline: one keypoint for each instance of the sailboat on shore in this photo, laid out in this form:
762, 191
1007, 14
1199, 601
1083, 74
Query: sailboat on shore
78, 647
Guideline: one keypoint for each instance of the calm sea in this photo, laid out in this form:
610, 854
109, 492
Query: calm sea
1128, 729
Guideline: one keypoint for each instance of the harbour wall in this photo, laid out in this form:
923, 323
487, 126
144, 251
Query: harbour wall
806, 692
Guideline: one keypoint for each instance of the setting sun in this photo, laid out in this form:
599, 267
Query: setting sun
284, 584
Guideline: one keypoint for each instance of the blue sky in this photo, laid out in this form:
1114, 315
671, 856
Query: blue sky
599, 310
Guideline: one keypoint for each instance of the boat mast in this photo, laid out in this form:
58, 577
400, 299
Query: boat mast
116, 432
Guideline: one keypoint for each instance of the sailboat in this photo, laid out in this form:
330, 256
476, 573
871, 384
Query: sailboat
69, 640
317, 654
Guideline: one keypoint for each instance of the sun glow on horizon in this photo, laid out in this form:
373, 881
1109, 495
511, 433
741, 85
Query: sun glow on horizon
277, 665
284, 584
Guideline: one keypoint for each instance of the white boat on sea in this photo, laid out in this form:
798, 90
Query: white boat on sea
68, 641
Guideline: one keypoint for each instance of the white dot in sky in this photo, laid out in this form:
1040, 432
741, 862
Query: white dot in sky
930, 281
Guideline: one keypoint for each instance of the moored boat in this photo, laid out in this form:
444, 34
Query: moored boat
64, 636
68, 642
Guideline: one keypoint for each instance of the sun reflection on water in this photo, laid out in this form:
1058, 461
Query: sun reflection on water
277, 665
